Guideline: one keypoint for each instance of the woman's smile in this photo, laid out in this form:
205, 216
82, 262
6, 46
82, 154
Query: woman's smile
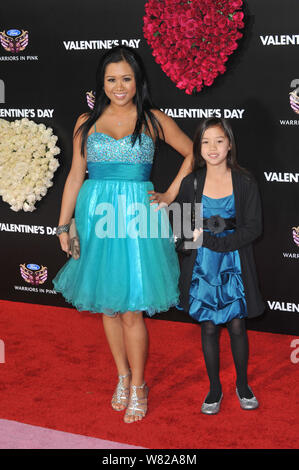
119, 83
120, 95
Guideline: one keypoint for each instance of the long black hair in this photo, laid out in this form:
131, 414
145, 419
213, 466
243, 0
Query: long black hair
198, 160
142, 98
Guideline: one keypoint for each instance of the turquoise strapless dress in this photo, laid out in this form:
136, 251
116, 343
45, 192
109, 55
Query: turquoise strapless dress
128, 259
216, 290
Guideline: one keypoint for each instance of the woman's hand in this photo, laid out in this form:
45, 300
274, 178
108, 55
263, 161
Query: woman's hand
196, 234
64, 239
162, 199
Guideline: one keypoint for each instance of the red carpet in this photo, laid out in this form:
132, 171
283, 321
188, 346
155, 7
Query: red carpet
58, 373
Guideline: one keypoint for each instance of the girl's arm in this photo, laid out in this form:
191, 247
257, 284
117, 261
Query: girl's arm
175, 137
184, 191
247, 232
184, 197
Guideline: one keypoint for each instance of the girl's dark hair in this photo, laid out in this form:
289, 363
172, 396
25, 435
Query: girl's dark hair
198, 160
142, 98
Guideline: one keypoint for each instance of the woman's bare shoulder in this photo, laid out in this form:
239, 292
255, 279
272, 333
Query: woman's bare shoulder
81, 119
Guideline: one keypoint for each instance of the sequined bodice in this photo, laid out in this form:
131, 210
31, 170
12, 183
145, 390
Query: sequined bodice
104, 148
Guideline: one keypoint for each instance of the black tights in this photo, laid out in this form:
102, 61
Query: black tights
239, 347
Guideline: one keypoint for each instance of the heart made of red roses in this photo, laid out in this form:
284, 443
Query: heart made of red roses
192, 39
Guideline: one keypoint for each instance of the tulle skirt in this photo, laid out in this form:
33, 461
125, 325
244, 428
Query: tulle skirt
128, 259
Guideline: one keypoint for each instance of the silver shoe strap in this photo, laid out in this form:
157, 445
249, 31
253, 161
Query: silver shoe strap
120, 386
135, 401
124, 376
134, 389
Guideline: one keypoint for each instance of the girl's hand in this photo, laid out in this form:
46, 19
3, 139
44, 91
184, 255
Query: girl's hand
196, 234
162, 199
64, 239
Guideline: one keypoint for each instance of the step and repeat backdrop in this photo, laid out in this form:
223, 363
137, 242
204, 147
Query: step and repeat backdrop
49, 53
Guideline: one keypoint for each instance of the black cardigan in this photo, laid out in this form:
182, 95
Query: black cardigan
248, 228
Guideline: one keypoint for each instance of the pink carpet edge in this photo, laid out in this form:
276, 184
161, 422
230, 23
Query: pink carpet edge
16, 435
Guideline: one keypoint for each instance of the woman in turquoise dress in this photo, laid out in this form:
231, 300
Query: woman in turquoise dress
218, 280
127, 262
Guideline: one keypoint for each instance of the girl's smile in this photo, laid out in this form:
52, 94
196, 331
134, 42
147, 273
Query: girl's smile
215, 145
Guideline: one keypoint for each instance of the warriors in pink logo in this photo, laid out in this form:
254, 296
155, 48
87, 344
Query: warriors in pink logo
294, 100
33, 273
295, 231
14, 40
90, 97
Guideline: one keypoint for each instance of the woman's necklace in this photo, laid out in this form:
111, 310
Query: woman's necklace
123, 120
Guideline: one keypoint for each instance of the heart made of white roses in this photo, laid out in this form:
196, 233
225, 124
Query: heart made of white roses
192, 39
27, 161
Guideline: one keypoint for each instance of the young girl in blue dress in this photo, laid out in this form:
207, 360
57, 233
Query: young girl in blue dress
218, 281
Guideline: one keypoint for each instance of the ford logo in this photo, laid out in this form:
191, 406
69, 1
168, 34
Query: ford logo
13, 32
33, 267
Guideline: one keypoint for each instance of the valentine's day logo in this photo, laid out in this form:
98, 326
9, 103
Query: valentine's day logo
98, 44
272, 176
283, 306
280, 40
191, 40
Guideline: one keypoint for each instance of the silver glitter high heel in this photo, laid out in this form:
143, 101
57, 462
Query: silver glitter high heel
137, 406
211, 408
248, 403
121, 394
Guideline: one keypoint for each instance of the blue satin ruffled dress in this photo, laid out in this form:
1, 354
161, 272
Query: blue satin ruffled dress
216, 290
128, 259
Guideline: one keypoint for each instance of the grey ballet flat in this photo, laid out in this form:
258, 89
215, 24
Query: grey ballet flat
211, 408
248, 403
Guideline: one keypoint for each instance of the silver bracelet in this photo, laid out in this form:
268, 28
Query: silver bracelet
62, 228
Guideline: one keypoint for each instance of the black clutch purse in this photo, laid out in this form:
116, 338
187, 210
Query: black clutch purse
180, 242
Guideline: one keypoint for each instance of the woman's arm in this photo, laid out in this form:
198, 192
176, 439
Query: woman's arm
244, 234
175, 137
72, 185
74, 179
